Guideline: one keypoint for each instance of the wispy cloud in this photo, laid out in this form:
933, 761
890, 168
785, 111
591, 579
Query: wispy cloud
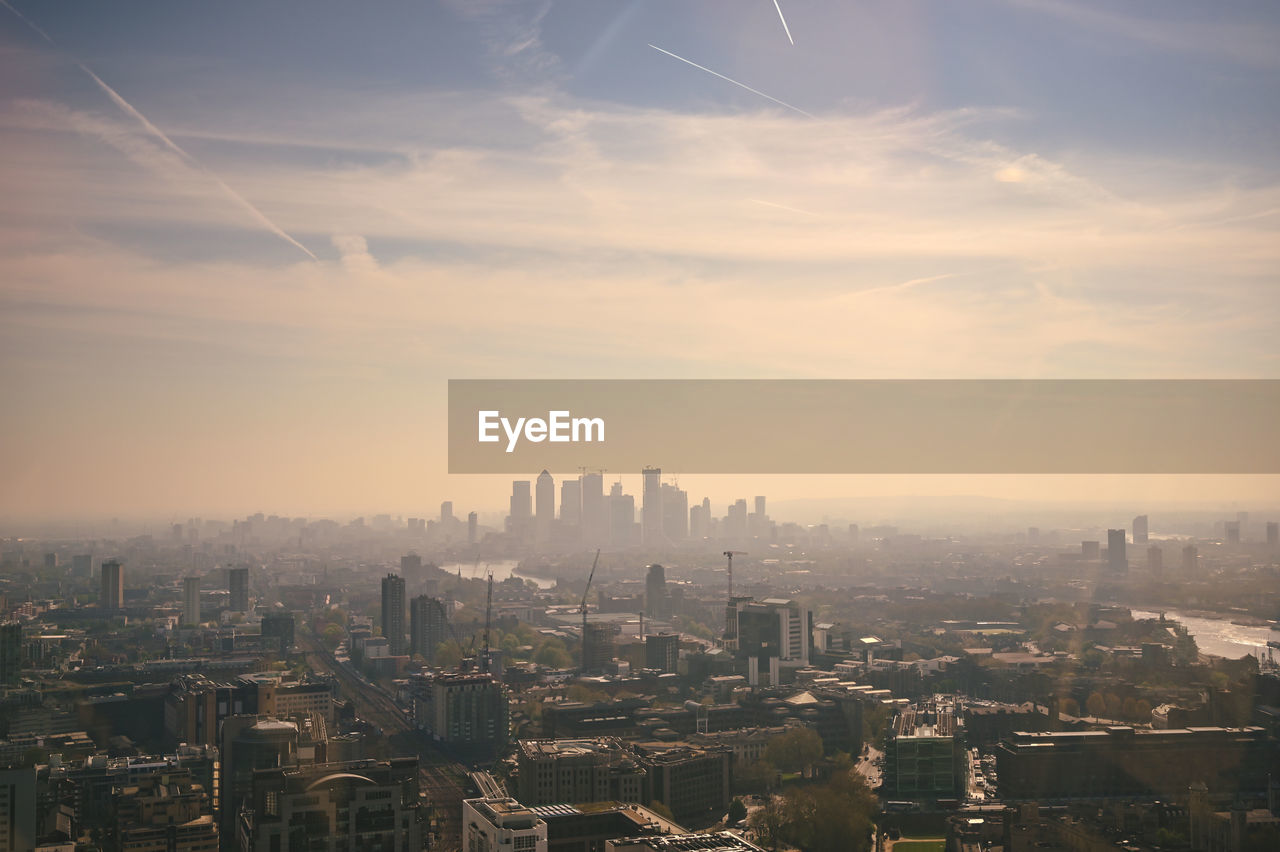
156, 133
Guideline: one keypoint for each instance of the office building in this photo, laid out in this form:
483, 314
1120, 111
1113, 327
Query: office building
597, 646
1090, 551
327, 807
238, 583
622, 517
1232, 529
501, 825
771, 634
595, 511
1155, 560
280, 627
411, 566
1190, 559
250, 743
656, 602
662, 651
545, 515
467, 711
17, 810
675, 513
168, 810
473, 527
600, 769
428, 624
651, 508
112, 596
1117, 560
1273, 535
692, 782
1140, 535
571, 502
82, 565
10, 653
924, 753
393, 613
191, 601
1121, 762
446, 512
720, 841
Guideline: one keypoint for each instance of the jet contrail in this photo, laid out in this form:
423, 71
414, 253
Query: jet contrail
735, 82
128, 108
786, 29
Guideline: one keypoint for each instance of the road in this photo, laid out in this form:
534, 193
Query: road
442, 779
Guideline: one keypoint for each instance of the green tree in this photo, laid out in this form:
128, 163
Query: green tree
796, 750
757, 777
331, 635
448, 654
1096, 704
737, 812
553, 653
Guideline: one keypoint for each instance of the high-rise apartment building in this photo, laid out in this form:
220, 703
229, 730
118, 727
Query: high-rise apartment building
1140, 530
1117, 560
190, 601
428, 625
393, 613
656, 602
112, 597
10, 653
238, 583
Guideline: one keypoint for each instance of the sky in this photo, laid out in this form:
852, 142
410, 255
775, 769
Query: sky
244, 246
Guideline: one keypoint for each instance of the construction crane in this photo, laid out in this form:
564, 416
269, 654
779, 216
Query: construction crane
731, 554
488, 616
583, 608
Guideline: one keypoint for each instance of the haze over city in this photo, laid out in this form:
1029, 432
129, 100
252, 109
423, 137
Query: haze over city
251, 600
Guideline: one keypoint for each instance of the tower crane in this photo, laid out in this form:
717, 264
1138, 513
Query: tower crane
583, 608
731, 554
488, 615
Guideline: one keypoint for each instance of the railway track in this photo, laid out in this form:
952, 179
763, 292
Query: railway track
444, 781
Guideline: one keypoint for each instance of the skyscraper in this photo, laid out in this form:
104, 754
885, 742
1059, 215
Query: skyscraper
546, 507
662, 651
651, 509
1273, 534
1140, 529
1116, 558
393, 613
622, 517
82, 565
10, 653
473, 527
1233, 532
428, 623
675, 513
190, 600
1190, 559
112, 596
446, 512
1155, 560
655, 592
571, 502
238, 582
595, 512
411, 566
520, 515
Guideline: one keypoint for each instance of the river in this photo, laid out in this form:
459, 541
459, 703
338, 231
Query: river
1218, 636
501, 568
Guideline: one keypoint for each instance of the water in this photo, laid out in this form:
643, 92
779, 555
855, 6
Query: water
501, 568
1220, 637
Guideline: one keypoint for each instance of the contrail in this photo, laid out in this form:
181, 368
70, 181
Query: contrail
128, 108
786, 29
735, 82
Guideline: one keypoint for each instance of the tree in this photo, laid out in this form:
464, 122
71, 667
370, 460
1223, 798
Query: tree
1069, 706
755, 777
552, 653
331, 636
662, 810
1096, 704
796, 750
448, 654
1142, 710
737, 812
1115, 707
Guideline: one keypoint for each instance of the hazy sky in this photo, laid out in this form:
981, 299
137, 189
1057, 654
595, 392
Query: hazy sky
244, 245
